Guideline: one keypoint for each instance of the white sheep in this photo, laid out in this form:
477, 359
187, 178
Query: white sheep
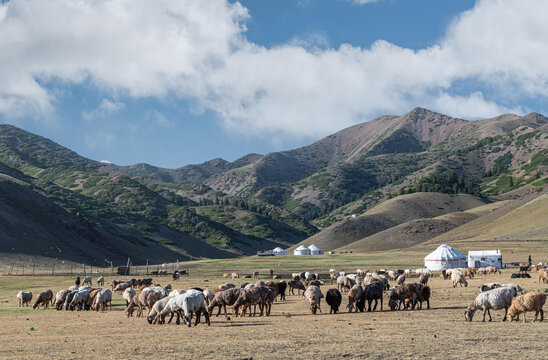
496, 299
249, 286
87, 280
208, 295
332, 271
392, 275
101, 299
516, 287
101, 281
194, 303
457, 278
79, 299
73, 288
313, 295
357, 279
129, 294
24, 297
157, 308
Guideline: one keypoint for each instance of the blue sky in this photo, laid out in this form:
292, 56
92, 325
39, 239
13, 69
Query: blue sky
183, 82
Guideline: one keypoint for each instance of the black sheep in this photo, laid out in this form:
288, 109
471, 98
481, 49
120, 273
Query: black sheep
282, 286
373, 292
77, 281
333, 299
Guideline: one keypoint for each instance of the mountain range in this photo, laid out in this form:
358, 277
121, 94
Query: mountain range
392, 182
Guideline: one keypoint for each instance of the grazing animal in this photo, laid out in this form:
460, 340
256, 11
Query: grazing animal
496, 299
333, 298
401, 279
79, 300
489, 286
60, 298
296, 284
425, 296
68, 299
400, 293
314, 295
543, 275
247, 298
344, 282
532, 301
256, 274
234, 275
158, 307
224, 298
353, 295
102, 298
77, 282
282, 286
44, 298
373, 292
129, 293
24, 297
457, 278
423, 279
87, 280
101, 281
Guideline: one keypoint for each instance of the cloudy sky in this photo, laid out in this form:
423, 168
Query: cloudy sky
175, 82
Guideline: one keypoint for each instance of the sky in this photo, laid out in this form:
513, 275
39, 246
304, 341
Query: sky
171, 83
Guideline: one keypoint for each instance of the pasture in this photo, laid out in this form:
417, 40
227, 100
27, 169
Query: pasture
289, 332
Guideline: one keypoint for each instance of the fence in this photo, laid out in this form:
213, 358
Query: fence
67, 268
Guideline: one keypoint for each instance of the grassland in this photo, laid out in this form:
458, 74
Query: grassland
290, 331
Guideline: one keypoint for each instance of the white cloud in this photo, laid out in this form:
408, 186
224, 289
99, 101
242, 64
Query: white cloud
158, 119
105, 109
197, 50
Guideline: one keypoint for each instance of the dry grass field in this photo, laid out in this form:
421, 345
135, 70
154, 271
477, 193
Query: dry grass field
289, 332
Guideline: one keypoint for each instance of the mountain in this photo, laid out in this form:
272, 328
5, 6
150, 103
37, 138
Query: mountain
407, 178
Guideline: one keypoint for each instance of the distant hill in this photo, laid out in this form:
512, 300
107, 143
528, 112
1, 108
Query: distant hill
388, 215
407, 179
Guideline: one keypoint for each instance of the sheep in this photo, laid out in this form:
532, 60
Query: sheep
248, 298
60, 298
208, 296
274, 287
73, 288
249, 286
353, 295
425, 296
391, 275
234, 275
121, 287
79, 299
136, 303
226, 286
532, 301
332, 272
400, 280
296, 276
44, 298
194, 303
356, 278
91, 299
24, 297
490, 286
87, 280
514, 286
495, 299
423, 279
381, 278
543, 275
282, 286
333, 298
294, 284
256, 274
128, 295
68, 299
314, 295
423, 271
101, 281
333, 277
492, 270
101, 300
344, 282
224, 298
373, 292
268, 297
314, 282
457, 278
402, 292
158, 307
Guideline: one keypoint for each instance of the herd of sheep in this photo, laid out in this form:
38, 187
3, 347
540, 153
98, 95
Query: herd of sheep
164, 303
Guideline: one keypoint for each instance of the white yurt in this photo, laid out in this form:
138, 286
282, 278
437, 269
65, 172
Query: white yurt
279, 251
443, 258
315, 250
301, 250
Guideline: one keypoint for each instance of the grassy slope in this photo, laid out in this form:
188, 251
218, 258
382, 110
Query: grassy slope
389, 214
